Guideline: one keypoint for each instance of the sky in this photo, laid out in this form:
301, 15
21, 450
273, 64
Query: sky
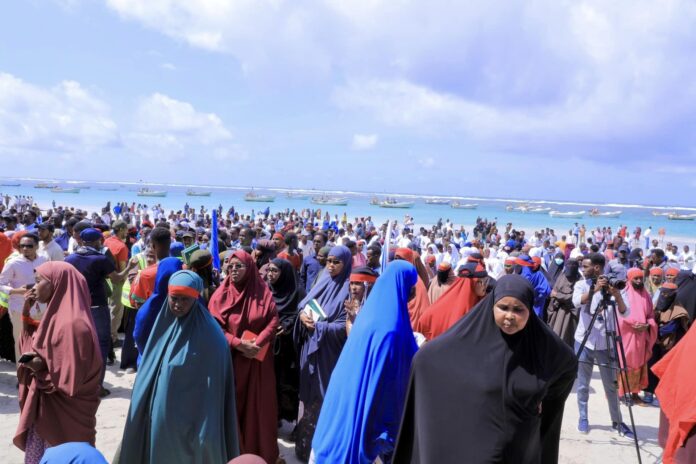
554, 99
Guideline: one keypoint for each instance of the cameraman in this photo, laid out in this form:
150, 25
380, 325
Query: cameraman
587, 295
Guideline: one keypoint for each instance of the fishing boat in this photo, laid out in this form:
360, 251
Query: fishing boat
605, 214
146, 192
113, 189
436, 201
681, 217
296, 196
193, 193
662, 213
567, 214
391, 203
457, 205
253, 196
522, 207
537, 210
330, 201
43, 185
8, 184
65, 190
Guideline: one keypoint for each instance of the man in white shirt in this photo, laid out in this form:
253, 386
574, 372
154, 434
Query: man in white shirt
588, 293
405, 240
16, 278
48, 247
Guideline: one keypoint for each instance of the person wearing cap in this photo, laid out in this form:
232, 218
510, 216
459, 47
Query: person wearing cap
96, 267
188, 238
48, 246
115, 243
362, 280
18, 274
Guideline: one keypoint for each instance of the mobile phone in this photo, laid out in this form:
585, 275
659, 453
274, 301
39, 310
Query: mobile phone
25, 358
29, 286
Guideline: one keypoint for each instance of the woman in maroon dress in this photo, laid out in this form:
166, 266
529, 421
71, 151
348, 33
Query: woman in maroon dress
244, 307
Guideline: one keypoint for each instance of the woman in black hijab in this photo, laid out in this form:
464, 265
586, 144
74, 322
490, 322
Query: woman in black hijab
686, 293
562, 313
491, 389
286, 294
555, 268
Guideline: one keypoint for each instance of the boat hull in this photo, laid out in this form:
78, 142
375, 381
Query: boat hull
397, 205
60, 190
152, 194
260, 199
198, 194
570, 215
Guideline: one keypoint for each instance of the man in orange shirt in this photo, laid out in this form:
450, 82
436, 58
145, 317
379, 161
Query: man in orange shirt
144, 285
116, 244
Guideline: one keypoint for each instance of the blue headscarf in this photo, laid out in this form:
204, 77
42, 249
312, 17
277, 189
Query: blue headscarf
183, 403
542, 290
73, 453
363, 405
319, 350
146, 315
175, 249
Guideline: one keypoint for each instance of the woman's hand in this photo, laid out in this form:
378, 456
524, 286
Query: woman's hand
248, 348
307, 321
36, 364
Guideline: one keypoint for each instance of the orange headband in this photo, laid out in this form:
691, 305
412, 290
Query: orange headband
672, 271
362, 278
183, 290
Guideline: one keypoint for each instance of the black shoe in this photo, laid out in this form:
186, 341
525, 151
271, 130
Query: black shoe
118, 343
104, 393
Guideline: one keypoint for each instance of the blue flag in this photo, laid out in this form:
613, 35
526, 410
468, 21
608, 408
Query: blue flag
214, 248
385, 249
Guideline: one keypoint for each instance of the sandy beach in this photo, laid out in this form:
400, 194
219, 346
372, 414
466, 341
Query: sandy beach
600, 445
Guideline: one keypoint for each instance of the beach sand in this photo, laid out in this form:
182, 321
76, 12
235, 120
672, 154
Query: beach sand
600, 445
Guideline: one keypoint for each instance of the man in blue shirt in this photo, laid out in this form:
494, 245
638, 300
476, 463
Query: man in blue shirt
310, 264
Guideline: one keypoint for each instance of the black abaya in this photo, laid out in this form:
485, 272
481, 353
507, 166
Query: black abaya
477, 395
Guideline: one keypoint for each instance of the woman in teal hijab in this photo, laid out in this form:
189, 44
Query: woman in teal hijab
183, 404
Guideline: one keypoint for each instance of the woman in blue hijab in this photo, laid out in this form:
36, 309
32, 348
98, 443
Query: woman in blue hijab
183, 404
542, 290
148, 312
363, 405
319, 342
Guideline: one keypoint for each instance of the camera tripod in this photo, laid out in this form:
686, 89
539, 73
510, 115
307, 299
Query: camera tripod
615, 348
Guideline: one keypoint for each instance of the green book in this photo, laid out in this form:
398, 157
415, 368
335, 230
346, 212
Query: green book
186, 254
315, 311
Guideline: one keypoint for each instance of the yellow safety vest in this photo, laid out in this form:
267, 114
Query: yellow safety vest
125, 293
4, 300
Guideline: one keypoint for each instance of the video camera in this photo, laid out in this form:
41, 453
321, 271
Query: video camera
615, 279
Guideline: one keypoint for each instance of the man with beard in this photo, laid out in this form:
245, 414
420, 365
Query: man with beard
638, 333
361, 281
445, 279
374, 256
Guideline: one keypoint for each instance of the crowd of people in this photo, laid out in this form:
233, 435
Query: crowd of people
374, 341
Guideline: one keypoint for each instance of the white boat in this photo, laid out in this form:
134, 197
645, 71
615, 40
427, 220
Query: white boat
681, 217
296, 196
330, 201
662, 213
397, 204
457, 205
252, 196
65, 190
605, 214
146, 192
193, 193
42, 185
522, 207
436, 201
567, 214
537, 210
112, 189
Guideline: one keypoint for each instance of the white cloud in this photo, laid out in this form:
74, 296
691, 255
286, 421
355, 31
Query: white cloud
168, 66
364, 141
64, 118
164, 125
427, 162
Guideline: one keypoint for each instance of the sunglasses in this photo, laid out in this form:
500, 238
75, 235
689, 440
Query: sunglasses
335, 262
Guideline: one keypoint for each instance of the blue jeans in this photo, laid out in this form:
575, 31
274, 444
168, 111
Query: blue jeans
586, 363
102, 323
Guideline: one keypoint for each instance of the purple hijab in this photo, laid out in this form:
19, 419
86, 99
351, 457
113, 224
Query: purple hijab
319, 350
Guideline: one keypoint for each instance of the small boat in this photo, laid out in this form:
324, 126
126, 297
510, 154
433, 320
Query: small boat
296, 196
391, 203
436, 201
113, 189
567, 214
146, 192
457, 205
537, 210
65, 190
662, 213
7, 184
252, 196
681, 217
606, 214
42, 185
330, 201
193, 193
522, 208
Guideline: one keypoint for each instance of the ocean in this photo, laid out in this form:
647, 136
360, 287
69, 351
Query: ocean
94, 195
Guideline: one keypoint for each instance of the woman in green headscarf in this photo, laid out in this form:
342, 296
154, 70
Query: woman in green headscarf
183, 404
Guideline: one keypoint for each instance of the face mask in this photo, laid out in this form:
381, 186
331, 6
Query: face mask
203, 246
559, 261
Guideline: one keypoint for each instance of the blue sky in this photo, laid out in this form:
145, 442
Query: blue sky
573, 100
